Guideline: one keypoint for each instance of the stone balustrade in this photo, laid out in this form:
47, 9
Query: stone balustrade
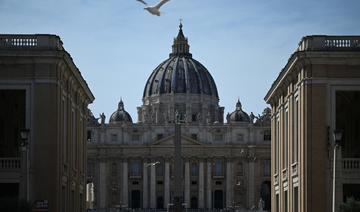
37, 41
10, 163
322, 42
351, 164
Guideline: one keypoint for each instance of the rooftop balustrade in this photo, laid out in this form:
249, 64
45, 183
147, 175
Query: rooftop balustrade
36, 41
323, 42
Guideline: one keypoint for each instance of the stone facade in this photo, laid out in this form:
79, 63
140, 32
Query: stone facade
224, 165
41, 90
317, 92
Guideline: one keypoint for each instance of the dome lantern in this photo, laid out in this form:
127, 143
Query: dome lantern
180, 73
180, 46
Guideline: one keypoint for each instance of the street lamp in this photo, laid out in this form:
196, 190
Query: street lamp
24, 136
337, 141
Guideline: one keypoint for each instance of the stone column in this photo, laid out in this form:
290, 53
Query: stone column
102, 184
208, 185
251, 183
188, 113
152, 186
229, 184
187, 184
125, 200
167, 184
201, 184
145, 185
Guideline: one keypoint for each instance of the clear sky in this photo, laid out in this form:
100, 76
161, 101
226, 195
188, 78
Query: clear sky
243, 43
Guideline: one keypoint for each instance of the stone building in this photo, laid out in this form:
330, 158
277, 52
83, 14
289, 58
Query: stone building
316, 93
43, 113
225, 165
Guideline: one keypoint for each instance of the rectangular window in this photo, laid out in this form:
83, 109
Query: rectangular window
159, 169
194, 169
285, 143
267, 167
239, 169
240, 137
135, 137
277, 142
88, 136
74, 140
286, 201
277, 203
218, 137
12, 119
113, 137
135, 168
348, 119
296, 132
296, 200
194, 136
65, 131
267, 135
159, 136
218, 171
194, 117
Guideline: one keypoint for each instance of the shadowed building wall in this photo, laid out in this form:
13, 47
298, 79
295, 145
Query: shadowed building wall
315, 93
42, 90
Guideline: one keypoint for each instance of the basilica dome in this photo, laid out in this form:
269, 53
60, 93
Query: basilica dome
180, 74
120, 115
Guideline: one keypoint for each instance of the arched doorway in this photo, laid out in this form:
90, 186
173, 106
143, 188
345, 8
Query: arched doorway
160, 202
194, 203
265, 194
218, 199
135, 199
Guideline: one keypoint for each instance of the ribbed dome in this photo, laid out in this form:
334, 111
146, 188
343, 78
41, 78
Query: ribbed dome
120, 116
180, 73
238, 115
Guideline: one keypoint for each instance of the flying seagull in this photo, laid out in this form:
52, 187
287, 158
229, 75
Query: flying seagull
153, 164
142, 1
154, 10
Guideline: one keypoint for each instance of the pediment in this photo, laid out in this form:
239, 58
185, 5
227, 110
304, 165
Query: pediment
169, 141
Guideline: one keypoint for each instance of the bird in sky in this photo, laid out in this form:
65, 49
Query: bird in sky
153, 164
154, 10
142, 1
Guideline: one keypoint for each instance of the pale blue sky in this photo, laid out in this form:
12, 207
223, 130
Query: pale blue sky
243, 43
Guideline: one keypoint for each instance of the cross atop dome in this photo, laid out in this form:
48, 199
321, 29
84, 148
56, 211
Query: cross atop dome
121, 104
180, 46
238, 105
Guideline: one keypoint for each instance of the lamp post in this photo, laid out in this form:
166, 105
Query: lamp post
24, 136
337, 141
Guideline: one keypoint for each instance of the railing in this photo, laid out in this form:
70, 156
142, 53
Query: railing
322, 42
351, 164
9, 41
10, 163
164, 210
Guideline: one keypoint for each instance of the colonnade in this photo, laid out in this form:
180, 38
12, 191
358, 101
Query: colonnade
205, 184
